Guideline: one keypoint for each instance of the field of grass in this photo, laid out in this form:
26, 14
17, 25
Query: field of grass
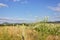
38, 31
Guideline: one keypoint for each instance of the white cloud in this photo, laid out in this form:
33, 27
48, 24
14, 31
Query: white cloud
59, 4
21, 1
56, 8
3, 5
24, 2
16, 0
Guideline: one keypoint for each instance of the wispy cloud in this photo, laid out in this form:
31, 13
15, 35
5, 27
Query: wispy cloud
16, 0
24, 2
21, 1
56, 8
3, 5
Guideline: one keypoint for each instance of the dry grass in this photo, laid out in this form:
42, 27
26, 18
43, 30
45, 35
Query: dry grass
21, 33
15, 33
53, 37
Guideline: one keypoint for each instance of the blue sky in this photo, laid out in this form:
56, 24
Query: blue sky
30, 9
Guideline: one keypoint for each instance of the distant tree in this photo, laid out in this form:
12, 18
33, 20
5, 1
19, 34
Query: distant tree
5, 23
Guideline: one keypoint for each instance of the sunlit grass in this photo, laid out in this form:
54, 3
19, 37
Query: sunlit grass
39, 31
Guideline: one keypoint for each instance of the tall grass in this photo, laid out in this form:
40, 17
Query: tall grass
35, 31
